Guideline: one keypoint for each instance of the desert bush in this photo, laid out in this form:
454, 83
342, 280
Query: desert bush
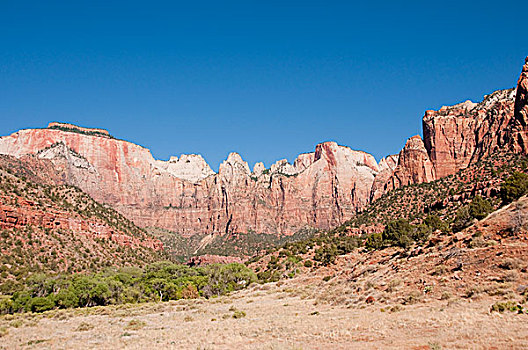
135, 324
239, 314
393, 285
399, 232
480, 208
374, 241
445, 296
519, 220
510, 264
3, 331
326, 255
84, 326
510, 276
412, 298
435, 223
502, 306
514, 187
477, 242
421, 232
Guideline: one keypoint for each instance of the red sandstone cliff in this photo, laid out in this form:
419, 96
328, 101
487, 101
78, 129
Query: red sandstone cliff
320, 189
455, 136
518, 136
414, 165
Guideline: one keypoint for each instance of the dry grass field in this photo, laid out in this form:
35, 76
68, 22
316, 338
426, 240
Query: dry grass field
272, 316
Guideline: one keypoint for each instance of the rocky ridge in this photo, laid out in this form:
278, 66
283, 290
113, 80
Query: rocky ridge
184, 195
48, 226
320, 189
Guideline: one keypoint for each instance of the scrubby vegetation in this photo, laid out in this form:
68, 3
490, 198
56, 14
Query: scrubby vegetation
79, 131
236, 244
478, 209
442, 206
30, 246
160, 281
514, 187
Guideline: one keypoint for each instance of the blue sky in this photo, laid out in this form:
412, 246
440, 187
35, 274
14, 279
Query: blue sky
268, 79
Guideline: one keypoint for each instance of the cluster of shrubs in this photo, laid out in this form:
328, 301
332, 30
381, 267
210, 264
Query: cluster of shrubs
403, 234
79, 131
478, 209
160, 281
514, 187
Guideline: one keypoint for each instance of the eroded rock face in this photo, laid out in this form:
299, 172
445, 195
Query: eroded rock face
414, 165
457, 135
519, 134
28, 213
320, 190
386, 166
190, 167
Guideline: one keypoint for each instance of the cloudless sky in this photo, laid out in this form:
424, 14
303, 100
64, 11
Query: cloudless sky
268, 79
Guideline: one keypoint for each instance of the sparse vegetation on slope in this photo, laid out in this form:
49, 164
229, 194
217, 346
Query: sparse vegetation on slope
237, 245
51, 228
406, 216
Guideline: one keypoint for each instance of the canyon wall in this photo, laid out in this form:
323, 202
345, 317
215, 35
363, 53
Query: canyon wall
320, 189
456, 136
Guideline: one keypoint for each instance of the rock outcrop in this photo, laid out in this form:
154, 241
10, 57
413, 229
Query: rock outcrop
28, 214
386, 169
456, 136
414, 165
190, 167
320, 189
519, 126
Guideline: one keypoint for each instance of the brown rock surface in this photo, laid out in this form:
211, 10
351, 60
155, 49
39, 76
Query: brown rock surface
30, 214
457, 135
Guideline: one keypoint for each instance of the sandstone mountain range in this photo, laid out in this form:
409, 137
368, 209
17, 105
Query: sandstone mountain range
321, 189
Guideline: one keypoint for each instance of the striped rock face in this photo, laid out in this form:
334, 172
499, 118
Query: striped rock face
319, 190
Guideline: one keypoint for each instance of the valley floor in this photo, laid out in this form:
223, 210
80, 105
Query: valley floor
270, 316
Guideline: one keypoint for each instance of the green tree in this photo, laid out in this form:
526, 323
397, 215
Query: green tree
514, 187
66, 298
326, 254
463, 219
41, 304
398, 232
480, 208
421, 232
434, 222
374, 241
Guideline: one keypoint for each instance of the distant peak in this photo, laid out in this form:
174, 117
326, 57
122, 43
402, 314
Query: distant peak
234, 157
